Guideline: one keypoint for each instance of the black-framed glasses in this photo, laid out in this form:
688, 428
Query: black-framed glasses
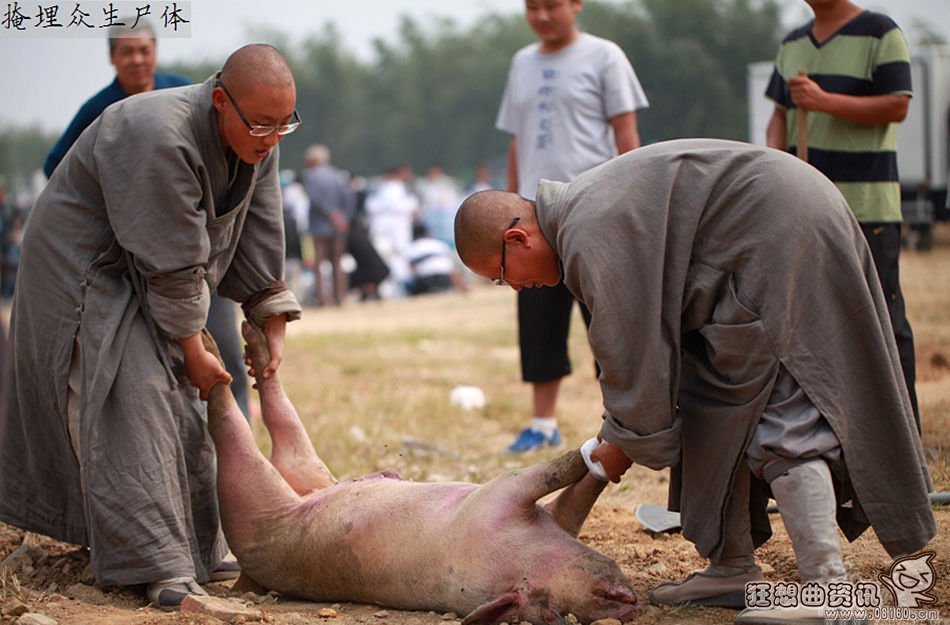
256, 130
504, 245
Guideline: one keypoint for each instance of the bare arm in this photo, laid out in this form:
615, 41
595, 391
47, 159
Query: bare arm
625, 131
513, 164
872, 110
777, 130
204, 368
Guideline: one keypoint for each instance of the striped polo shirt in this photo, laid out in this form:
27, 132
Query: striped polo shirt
867, 56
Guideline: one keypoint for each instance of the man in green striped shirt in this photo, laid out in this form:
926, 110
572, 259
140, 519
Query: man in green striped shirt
847, 73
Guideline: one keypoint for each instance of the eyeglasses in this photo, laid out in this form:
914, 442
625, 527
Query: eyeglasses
504, 245
257, 130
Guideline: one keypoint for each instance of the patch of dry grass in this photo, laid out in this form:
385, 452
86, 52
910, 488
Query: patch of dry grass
9, 586
925, 279
372, 381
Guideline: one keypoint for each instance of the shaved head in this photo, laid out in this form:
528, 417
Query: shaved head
482, 220
254, 90
255, 65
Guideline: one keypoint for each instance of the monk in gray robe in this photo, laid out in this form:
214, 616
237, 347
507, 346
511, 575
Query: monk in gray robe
165, 197
743, 340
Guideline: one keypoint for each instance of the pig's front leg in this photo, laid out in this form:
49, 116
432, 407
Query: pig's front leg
572, 506
545, 478
292, 452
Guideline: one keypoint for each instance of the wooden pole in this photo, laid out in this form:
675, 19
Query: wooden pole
802, 140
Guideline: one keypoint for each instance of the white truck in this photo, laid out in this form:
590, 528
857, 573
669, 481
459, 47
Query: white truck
923, 139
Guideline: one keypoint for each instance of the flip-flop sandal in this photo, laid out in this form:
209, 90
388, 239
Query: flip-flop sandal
168, 594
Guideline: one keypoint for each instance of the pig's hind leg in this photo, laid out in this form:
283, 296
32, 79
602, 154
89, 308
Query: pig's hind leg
292, 453
249, 488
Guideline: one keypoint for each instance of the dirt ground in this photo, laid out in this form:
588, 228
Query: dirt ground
58, 586
51, 579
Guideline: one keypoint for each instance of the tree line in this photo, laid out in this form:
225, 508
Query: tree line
432, 95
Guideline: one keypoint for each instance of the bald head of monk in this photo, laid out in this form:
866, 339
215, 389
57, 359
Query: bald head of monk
255, 93
498, 237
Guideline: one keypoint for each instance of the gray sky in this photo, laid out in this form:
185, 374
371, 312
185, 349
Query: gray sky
45, 80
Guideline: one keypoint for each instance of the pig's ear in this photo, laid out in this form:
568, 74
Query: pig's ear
497, 610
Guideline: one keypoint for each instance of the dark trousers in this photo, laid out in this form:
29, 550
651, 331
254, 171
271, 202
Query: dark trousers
884, 239
544, 322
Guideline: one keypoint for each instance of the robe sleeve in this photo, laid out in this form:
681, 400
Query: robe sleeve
255, 276
152, 194
638, 353
620, 272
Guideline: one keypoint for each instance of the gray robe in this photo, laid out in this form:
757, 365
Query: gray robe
137, 226
706, 264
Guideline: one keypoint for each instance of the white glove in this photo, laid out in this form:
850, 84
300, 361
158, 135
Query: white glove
595, 467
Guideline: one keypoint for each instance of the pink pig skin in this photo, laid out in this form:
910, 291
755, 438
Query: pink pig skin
487, 551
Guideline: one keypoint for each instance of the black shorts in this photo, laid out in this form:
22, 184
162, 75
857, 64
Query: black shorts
544, 322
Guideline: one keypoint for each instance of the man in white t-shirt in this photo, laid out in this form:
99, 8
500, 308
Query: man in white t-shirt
569, 104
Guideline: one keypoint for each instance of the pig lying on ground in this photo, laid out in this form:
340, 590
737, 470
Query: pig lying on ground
487, 551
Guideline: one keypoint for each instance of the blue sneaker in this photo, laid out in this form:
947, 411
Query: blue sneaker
531, 440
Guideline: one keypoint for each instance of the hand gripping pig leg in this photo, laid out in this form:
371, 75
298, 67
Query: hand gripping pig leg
292, 452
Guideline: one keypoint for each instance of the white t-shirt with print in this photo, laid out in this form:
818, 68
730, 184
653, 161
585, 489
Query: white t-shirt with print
559, 106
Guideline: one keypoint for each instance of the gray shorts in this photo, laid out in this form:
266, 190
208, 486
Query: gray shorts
791, 431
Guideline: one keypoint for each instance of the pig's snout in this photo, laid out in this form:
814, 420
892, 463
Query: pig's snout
617, 601
609, 593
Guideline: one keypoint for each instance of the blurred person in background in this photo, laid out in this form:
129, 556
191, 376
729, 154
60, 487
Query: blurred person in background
134, 54
370, 268
4, 227
433, 265
392, 210
12, 222
296, 217
439, 198
482, 180
331, 209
